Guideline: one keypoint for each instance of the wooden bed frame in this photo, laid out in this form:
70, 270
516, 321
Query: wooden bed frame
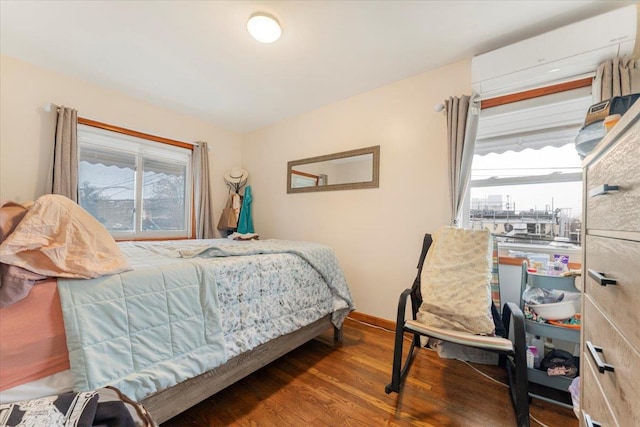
170, 402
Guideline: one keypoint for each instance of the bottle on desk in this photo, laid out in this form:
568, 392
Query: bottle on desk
539, 346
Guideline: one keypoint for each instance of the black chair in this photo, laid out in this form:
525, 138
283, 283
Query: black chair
512, 354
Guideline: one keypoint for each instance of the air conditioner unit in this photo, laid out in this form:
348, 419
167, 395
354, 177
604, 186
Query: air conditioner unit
560, 55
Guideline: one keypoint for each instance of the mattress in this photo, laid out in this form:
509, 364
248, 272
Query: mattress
32, 338
58, 383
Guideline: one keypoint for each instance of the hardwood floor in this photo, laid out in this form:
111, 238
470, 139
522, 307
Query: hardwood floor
327, 384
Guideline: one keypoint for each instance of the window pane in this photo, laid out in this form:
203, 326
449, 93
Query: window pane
529, 194
535, 211
137, 188
107, 187
164, 188
526, 178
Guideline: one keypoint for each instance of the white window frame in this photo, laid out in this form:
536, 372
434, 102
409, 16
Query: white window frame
141, 148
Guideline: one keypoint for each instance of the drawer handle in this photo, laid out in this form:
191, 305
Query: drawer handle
603, 189
589, 422
601, 278
594, 350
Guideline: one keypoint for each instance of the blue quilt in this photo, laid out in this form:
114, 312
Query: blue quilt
320, 257
189, 306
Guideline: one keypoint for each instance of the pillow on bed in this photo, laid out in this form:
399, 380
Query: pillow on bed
11, 214
58, 238
15, 282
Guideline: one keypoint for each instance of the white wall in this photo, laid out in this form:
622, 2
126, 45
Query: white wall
26, 130
376, 233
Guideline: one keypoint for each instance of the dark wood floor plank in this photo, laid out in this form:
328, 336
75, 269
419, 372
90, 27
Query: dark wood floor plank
323, 383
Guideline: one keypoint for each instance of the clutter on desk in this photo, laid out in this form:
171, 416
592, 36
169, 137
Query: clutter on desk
551, 305
544, 264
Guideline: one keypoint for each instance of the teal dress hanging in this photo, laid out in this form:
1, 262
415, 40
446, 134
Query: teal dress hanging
245, 223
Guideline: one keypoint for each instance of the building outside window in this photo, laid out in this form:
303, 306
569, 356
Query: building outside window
136, 188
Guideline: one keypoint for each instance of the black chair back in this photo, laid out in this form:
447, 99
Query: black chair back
416, 295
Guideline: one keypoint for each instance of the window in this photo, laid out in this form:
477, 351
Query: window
135, 187
526, 178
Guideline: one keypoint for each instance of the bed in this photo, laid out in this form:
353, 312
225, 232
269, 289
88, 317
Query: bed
182, 322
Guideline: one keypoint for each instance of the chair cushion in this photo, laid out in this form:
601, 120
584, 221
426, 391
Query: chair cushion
463, 338
456, 282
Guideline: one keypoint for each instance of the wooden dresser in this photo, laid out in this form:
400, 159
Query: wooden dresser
610, 336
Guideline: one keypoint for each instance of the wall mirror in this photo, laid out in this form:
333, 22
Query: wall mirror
346, 170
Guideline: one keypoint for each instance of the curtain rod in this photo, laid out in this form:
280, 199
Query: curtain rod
81, 120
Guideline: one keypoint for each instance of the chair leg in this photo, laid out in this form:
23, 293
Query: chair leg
502, 361
518, 387
517, 368
399, 371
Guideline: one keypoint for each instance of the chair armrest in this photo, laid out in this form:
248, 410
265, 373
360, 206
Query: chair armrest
512, 311
402, 308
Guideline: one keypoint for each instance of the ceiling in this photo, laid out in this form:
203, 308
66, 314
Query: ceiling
196, 57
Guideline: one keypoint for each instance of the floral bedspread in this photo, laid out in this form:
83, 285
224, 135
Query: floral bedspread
189, 306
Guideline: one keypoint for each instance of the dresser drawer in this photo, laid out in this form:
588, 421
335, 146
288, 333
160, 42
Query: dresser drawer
617, 210
620, 260
620, 386
594, 398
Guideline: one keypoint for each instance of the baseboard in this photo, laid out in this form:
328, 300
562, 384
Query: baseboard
373, 320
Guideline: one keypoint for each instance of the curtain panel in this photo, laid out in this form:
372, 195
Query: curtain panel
202, 192
462, 128
616, 77
65, 154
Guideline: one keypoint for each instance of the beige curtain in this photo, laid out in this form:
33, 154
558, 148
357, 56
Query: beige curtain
616, 77
202, 193
462, 128
65, 154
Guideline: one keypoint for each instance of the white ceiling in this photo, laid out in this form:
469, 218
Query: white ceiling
196, 57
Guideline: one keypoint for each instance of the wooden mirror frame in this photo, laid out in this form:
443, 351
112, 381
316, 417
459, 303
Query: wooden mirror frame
374, 183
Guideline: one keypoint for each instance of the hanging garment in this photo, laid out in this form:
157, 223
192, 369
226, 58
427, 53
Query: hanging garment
245, 223
228, 219
236, 202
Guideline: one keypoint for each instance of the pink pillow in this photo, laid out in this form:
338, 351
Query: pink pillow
58, 238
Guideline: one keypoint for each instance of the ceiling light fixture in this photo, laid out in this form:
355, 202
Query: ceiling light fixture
264, 27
